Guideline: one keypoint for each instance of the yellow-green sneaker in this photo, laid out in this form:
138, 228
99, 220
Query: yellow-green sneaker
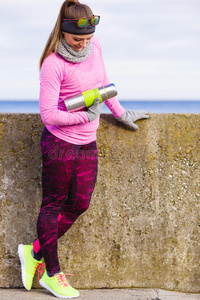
29, 265
58, 286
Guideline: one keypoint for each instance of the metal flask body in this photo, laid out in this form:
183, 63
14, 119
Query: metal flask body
86, 99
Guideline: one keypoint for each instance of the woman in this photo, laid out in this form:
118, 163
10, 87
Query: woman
70, 64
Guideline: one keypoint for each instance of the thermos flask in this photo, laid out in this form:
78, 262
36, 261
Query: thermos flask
87, 98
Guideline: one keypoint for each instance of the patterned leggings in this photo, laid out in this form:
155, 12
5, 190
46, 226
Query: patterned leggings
68, 180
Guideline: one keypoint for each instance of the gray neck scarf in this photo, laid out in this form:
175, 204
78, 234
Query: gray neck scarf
70, 55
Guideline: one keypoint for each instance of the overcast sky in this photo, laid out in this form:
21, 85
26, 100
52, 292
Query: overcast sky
151, 47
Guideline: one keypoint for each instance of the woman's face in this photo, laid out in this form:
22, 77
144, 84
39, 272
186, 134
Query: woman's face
77, 42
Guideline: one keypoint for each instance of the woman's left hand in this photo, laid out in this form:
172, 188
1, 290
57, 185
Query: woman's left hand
130, 116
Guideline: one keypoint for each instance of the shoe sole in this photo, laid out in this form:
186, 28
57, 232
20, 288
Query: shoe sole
23, 264
44, 285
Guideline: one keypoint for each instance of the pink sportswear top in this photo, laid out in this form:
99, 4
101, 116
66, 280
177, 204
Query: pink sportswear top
60, 80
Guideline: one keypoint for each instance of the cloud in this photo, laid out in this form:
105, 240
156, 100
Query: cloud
149, 43
155, 79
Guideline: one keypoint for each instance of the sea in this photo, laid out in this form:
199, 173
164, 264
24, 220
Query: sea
170, 106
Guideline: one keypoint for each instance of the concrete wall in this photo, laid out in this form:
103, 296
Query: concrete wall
143, 226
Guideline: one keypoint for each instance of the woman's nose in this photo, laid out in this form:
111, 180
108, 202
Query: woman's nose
84, 43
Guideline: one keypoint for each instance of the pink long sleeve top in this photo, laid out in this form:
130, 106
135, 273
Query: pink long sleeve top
61, 80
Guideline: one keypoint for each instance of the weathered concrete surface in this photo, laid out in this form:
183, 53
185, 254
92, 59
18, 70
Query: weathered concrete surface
143, 226
100, 294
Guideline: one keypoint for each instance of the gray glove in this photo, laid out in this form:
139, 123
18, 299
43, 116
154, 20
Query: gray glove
131, 116
94, 110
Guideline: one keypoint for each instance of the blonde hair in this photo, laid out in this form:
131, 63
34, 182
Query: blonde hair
71, 9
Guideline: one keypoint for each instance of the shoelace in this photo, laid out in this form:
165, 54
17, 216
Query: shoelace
40, 268
62, 279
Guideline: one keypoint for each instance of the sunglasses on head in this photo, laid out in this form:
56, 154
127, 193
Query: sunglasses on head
83, 22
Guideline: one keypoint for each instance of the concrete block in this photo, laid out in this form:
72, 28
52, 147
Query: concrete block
143, 225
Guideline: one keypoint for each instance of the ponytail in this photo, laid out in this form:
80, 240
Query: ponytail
70, 9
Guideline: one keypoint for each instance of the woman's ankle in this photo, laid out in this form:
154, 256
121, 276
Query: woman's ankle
36, 256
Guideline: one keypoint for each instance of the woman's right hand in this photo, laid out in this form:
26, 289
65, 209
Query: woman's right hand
94, 110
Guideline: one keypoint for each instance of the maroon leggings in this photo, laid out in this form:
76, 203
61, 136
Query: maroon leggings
68, 179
